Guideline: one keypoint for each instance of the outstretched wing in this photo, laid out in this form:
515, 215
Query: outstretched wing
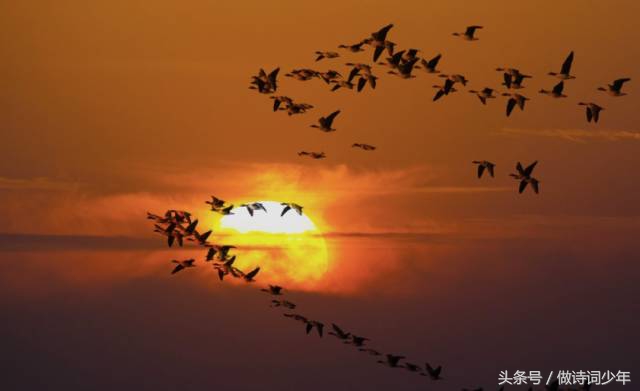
510, 105
529, 169
381, 34
377, 52
490, 168
434, 61
566, 65
589, 114
361, 83
480, 170
252, 273
330, 117
523, 185
617, 85
558, 88
285, 210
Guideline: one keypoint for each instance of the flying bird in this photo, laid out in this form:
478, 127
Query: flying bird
274, 290
524, 176
482, 165
248, 277
391, 361
290, 205
614, 88
312, 155
593, 111
216, 203
469, 33
326, 122
565, 71
283, 303
379, 42
320, 55
515, 99
556, 92
182, 265
484, 94
430, 66
279, 100
339, 333
356, 47
364, 147
434, 373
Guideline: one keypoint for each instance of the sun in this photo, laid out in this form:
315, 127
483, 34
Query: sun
288, 247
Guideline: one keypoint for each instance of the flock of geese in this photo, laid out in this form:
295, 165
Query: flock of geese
178, 226
402, 63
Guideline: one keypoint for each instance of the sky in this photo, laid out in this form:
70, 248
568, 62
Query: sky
112, 109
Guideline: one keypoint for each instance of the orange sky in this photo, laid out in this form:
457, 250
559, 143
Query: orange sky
112, 108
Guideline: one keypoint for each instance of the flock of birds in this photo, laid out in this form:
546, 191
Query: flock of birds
178, 226
402, 63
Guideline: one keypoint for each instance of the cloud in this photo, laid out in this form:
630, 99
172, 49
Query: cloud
575, 135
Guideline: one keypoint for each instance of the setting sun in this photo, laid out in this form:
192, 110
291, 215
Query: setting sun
288, 247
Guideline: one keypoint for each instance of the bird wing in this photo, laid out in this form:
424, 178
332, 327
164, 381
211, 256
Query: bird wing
372, 81
381, 34
617, 84
534, 184
589, 114
438, 94
377, 52
480, 170
558, 88
354, 72
507, 80
330, 117
510, 105
252, 273
523, 185
527, 171
434, 61
566, 65
285, 210
596, 114
177, 269
519, 168
276, 104
490, 168
361, 83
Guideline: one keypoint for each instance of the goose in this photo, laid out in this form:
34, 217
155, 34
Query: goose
456, 78
379, 41
524, 176
468, 34
337, 84
227, 210
278, 100
356, 47
565, 71
191, 228
410, 54
482, 165
434, 373
339, 333
357, 340
283, 303
265, 83
319, 326
412, 367
357, 68
614, 88
445, 89
556, 92
222, 252
484, 94
430, 66
593, 111
514, 81
274, 290
320, 55
297, 317
173, 237
326, 122
226, 268
290, 205
201, 238
515, 99
405, 69
367, 77
364, 147
182, 265
249, 208
392, 361
330, 76
303, 74
312, 155
372, 352
259, 206
216, 203
394, 61
298, 108
248, 277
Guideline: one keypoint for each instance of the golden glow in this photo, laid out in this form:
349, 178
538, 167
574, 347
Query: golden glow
289, 249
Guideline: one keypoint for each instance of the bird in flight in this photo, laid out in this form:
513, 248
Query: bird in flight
379, 42
556, 92
391, 361
469, 33
274, 290
484, 94
289, 206
482, 165
430, 66
525, 178
320, 55
339, 333
364, 147
565, 71
356, 47
515, 99
312, 155
326, 122
593, 111
182, 265
614, 88
434, 373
